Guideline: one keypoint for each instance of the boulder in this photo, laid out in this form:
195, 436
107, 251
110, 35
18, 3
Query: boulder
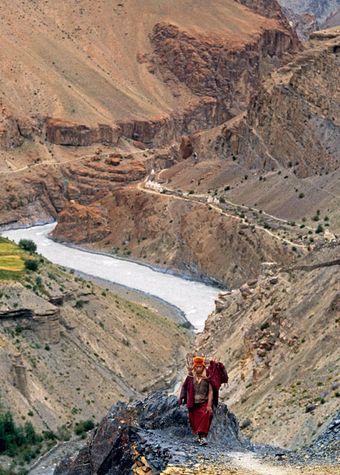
151, 433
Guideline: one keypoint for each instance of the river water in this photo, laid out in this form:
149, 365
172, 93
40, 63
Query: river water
195, 299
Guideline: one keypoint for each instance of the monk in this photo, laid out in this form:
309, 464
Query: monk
200, 393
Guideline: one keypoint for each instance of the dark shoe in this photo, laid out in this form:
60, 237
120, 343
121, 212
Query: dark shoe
203, 441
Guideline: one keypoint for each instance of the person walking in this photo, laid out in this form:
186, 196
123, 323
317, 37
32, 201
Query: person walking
200, 393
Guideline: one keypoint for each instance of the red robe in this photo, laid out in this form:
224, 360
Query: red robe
199, 418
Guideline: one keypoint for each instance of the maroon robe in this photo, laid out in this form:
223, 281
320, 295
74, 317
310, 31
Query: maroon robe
199, 418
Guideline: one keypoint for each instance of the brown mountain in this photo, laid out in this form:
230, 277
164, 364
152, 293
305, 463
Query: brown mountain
91, 104
236, 204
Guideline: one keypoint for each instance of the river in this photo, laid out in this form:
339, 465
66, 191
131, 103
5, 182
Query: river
195, 299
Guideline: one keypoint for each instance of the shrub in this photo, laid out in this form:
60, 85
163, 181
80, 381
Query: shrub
31, 264
79, 304
222, 200
301, 195
15, 439
83, 426
319, 229
28, 245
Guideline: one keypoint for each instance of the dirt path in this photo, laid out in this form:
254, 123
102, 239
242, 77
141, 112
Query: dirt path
64, 162
196, 199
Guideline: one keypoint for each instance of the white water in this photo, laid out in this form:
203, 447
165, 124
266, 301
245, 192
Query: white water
195, 299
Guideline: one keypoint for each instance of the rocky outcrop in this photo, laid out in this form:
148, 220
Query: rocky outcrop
19, 306
290, 122
186, 147
88, 223
270, 9
202, 113
189, 59
19, 371
66, 132
303, 23
147, 436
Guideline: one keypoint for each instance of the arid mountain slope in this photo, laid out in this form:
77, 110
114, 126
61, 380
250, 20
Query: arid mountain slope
68, 348
87, 62
282, 156
173, 232
278, 336
70, 82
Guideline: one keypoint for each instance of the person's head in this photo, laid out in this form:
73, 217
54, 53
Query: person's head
198, 365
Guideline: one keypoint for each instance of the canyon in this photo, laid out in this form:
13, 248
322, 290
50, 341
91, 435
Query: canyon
199, 138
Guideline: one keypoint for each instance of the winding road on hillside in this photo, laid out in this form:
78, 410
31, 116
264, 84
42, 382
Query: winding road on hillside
196, 198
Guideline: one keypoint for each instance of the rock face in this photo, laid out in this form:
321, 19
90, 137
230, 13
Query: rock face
18, 306
65, 132
290, 121
308, 16
90, 221
147, 436
321, 9
189, 59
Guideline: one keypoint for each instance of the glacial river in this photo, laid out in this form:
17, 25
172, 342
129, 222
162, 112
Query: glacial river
195, 299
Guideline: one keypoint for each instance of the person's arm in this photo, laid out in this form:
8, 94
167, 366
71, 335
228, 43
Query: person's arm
183, 394
210, 399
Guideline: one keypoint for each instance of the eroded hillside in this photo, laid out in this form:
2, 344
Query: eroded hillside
69, 348
278, 335
282, 156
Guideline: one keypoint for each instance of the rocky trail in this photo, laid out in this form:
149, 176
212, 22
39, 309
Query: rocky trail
153, 437
228, 209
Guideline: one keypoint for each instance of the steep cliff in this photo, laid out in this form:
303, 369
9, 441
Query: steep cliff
282, 156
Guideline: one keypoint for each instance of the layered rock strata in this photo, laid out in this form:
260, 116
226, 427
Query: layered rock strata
290, 122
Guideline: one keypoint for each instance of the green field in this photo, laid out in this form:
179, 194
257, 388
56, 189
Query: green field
12, 265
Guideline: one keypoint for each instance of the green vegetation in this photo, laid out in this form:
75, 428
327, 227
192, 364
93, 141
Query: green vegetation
79, 304
28, 245
319, 229
31, 264
11, 260
19, 441
83, 426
